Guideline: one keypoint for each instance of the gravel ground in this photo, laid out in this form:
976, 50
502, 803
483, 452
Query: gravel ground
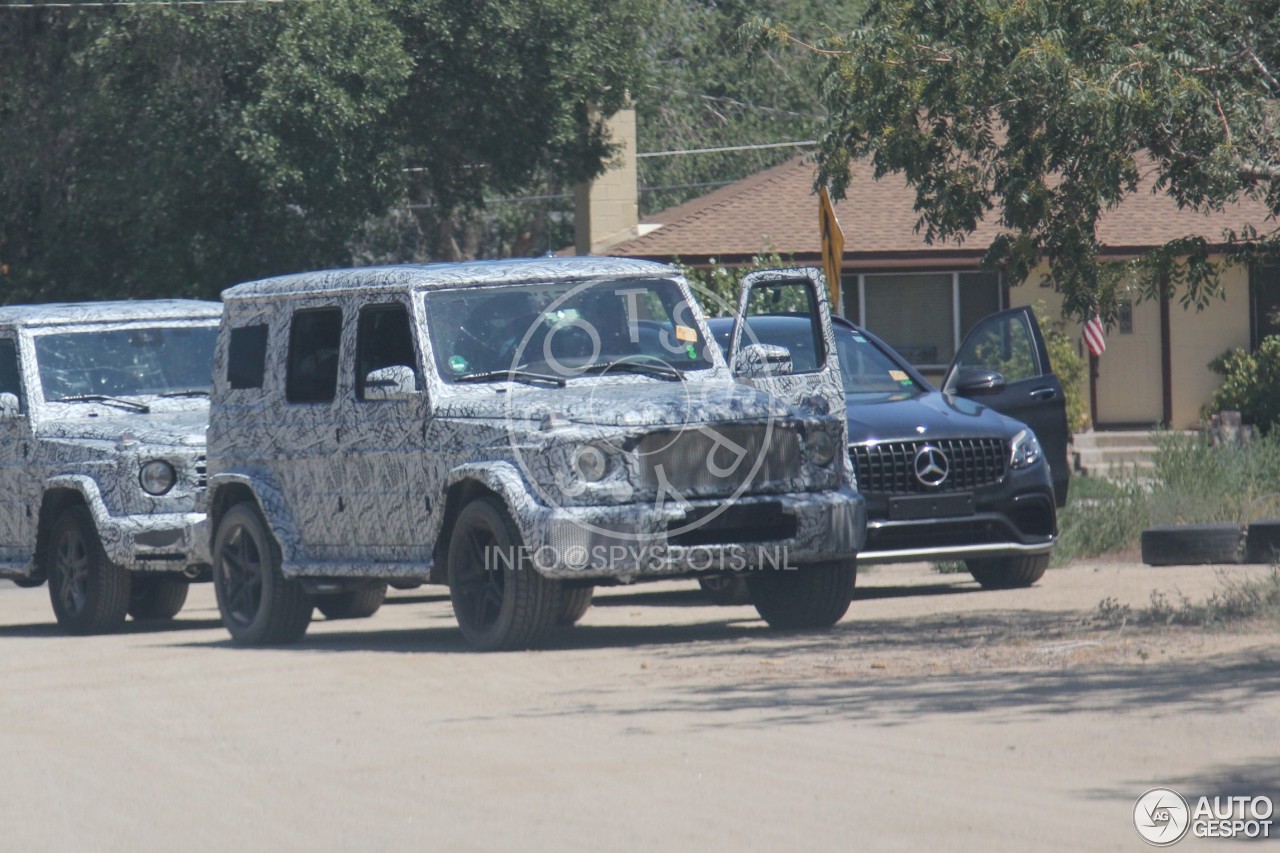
935, 716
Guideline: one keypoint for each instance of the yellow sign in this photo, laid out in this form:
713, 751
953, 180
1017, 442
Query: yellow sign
832, 248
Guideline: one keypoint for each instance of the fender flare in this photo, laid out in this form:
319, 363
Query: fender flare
270, 502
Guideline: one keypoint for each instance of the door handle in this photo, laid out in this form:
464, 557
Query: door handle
1043, 394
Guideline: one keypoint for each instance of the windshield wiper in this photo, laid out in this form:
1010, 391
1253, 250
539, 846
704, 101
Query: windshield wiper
104, 398
516, 375
656, 369
187, 392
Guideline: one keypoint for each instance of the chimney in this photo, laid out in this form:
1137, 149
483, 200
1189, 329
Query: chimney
606, 211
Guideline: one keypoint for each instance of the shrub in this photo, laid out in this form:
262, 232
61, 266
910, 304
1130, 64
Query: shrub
1250, 380
1069, 366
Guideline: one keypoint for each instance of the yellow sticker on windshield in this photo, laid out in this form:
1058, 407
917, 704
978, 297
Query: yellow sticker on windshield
684, 333
897, 376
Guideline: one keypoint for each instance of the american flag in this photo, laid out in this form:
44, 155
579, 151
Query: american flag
1094, 336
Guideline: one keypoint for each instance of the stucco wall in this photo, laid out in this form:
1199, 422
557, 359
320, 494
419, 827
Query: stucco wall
1197, 337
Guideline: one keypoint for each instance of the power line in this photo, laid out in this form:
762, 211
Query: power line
803, 143
719, 99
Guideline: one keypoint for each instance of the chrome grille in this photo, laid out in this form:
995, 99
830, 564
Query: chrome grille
717, 461
888, 468
202, 472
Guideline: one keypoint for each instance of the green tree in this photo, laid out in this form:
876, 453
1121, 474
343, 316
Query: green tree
707, 90
1047, 113
165, 150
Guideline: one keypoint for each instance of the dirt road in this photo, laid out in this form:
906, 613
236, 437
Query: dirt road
935, 716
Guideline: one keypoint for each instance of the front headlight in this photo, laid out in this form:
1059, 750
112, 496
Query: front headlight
157, 477
821, 446
1026, 450
590, 464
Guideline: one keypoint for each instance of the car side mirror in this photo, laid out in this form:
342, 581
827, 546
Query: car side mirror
976, 381
757, 361
390, 383
9, 405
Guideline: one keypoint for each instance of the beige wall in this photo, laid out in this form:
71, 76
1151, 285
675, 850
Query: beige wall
1197, 337
606, 209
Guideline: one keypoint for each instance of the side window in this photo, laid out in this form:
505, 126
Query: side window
384, 339
791, 298
10, 378
314, 338
247, 356
1002, 344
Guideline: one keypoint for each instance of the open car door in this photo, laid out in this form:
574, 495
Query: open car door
805, 374
1004, 364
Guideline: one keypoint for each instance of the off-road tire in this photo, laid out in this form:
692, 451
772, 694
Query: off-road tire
1008, 572
725, 589
259, 605
89, 593
355, 604
157, 597
500, 601
816, 595
574, 604
1193, 544
1262, 542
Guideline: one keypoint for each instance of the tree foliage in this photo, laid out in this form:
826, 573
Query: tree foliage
707, 90
173, 150
1046, 113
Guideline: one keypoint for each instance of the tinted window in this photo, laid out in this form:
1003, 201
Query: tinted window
10, 379
314, 338
247, 356
384, 339
790, 298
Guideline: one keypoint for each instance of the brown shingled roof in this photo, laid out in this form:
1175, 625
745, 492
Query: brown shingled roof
776, 210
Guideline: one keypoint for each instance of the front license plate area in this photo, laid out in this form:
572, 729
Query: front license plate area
931, 506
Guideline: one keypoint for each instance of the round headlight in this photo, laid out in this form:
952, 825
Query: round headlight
157, 477
590, 464
822, 447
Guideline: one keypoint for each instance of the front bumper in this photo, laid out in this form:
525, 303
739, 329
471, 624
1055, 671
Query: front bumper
164, 542
1001, 524
629, 542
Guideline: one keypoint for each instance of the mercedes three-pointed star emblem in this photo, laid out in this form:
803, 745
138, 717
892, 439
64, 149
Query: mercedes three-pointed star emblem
931, 466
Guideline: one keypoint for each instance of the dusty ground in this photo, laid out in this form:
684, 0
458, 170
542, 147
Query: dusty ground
934, 717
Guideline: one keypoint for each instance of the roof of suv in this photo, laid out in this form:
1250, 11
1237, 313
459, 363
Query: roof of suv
123, 311
463, 274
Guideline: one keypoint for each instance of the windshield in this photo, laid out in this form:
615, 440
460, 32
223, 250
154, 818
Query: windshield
869, 374
565, 329
131, 362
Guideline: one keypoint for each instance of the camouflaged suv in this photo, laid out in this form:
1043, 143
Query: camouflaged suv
103, 408
520, 431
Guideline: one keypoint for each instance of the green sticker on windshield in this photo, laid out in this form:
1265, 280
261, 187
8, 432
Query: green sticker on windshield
692, 351
458, 364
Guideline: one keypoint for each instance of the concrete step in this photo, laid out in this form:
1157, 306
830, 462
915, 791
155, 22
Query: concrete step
1114, 455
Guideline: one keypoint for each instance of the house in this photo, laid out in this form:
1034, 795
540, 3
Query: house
921, 298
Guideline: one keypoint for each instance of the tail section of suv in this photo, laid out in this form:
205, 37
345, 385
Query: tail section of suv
520, 431
103, 409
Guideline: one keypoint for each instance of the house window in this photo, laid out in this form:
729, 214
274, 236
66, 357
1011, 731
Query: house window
924, 316
1124, 318
1265, 292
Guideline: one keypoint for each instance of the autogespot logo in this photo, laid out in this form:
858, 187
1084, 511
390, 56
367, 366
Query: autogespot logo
577, 334
1161, 817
